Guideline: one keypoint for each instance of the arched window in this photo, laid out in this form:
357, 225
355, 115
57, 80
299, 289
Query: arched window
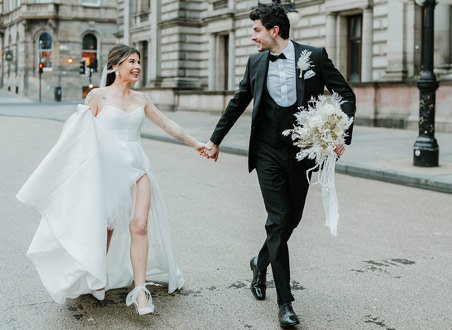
45, 50
89, 50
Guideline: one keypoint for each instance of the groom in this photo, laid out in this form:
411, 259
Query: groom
278, 86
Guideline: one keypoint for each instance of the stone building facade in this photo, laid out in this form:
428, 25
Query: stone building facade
58, 34
196, 51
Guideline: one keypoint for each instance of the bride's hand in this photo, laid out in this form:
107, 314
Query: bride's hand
200, 147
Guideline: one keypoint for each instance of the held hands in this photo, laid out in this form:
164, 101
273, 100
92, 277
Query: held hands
210, 151
200, 147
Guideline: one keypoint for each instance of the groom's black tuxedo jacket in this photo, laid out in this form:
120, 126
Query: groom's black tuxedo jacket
253, 84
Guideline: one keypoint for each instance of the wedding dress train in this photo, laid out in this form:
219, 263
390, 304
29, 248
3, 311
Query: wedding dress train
85, 185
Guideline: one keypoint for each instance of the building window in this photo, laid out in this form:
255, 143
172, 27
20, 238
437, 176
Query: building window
225, 46
145, 5
144, 63
89, 50
91, 3
222, 62
220, 4
219, 62
354, 48
45, 51
141, 10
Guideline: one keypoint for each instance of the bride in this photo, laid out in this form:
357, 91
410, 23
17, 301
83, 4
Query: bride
103, 218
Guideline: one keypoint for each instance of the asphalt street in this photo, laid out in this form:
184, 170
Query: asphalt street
389, 267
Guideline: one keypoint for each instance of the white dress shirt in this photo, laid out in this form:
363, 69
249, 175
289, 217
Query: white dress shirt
281, 83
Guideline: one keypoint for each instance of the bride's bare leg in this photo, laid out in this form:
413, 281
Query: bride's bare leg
139, 235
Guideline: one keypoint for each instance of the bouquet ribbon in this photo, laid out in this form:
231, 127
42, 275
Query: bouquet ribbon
329, 196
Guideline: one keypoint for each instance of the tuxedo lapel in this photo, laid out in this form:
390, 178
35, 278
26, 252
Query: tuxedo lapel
261, 76
299, 81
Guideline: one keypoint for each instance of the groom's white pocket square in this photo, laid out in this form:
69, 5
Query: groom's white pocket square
309, 74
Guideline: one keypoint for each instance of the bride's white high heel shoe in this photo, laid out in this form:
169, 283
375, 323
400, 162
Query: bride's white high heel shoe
98, 294
133, 296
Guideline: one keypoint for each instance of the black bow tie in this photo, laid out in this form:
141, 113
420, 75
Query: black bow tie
275, 57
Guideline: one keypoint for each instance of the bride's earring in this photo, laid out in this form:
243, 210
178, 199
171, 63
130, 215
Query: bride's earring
117, 73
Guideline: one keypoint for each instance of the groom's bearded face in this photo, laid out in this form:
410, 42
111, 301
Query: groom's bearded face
264, 39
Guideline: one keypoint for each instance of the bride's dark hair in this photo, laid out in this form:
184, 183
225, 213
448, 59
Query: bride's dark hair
116, 56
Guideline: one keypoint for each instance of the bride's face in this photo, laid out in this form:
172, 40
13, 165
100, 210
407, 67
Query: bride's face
130, 68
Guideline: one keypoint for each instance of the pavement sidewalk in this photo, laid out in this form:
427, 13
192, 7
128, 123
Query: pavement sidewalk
376, 153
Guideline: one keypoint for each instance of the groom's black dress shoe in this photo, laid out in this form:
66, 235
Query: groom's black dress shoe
258, 285
287, 317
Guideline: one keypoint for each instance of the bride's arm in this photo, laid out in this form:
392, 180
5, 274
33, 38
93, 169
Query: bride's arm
169, 126
92, 100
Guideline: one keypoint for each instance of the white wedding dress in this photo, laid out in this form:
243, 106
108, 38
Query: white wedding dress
85, 185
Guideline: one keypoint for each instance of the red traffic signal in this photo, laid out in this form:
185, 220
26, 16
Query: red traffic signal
41, 67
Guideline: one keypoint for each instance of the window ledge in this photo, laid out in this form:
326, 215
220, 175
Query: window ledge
92, 5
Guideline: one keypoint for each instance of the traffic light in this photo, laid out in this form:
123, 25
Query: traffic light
93, 64
41, 66
82, 67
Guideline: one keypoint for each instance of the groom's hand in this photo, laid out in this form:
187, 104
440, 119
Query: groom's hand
212, 151
339, 150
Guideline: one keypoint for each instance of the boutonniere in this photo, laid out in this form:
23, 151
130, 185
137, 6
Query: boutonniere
304, 62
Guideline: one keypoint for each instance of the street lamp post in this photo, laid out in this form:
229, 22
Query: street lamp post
426, 149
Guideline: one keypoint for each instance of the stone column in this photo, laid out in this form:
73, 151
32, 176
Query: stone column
412, 38
137, 10
231, 62
367, 53
331, 37
396, 69
149, 63
212, 61
154, 44
127, 22
442, 36
141, 80
341, 44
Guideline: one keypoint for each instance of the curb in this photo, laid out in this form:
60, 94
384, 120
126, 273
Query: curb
397, 177
362, 171
353, 169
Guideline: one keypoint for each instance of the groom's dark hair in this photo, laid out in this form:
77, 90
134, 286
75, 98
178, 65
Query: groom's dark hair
271, 16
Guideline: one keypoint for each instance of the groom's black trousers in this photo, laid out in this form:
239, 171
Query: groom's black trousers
284, 187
